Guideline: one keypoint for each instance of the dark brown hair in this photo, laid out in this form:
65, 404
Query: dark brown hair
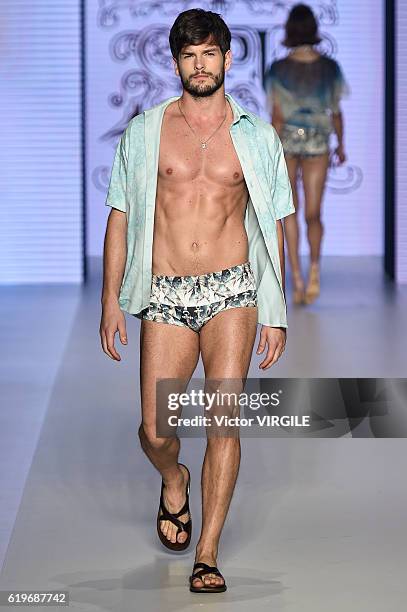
195, 26
301, 27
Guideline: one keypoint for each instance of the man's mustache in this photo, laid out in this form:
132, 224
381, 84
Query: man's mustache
201, 74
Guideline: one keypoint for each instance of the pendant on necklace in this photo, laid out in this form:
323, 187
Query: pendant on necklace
203, 145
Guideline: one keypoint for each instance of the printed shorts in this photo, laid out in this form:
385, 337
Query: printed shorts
191, 301
305, 142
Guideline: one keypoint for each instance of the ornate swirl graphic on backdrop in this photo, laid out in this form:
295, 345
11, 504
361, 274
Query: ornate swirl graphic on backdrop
245, 80
124, 45
101, 174
149, 84
135, 82
246, 50
155, 79
326, 12
154, 49
344, 180
109, 11
100, 177
152, 79
240, 49
140, 85
245, 96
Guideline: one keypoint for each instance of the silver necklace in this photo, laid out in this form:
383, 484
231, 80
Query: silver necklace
204, 143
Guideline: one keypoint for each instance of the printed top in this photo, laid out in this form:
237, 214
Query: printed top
133, 185
307, 92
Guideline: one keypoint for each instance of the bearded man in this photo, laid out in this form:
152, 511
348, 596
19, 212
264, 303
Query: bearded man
194, 248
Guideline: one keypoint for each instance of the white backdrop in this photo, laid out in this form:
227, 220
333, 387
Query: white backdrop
129, 68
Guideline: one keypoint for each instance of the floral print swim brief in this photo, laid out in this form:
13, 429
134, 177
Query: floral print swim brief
192, 301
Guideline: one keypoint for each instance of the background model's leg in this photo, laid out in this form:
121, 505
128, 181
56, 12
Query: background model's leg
314, 172
291, 231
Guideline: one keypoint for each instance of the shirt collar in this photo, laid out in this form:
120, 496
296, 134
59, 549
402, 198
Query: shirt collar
238, 111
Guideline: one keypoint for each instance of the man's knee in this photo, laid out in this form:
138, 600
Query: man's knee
147, 433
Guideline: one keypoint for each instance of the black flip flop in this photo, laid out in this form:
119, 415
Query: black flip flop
167, 516
206, 569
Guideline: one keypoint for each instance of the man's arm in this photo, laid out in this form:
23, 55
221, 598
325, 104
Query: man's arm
114, 261
275, 337
114, 255
280, 238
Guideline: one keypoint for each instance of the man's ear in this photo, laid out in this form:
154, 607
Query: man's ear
175, 66
228, 60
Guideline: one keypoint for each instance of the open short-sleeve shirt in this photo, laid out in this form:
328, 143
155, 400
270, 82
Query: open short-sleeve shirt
133, 185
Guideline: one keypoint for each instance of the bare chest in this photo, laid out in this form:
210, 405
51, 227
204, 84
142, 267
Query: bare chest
182, 157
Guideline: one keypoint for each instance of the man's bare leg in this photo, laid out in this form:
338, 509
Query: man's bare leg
226, 343
166, 351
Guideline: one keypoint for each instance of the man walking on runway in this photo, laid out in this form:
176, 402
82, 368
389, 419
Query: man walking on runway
194, 248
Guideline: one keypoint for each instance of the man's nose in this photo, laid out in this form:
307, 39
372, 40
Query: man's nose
199, 64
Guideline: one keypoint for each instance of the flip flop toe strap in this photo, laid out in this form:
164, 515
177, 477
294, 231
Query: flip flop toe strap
184, 509
167, 516
206, 569
174, 521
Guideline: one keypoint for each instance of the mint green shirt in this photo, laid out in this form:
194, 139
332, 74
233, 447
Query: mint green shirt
133, 185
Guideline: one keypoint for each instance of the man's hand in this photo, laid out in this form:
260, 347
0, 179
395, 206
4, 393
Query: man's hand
113, 320
276, 339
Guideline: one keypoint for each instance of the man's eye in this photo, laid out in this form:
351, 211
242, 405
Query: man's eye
210, 53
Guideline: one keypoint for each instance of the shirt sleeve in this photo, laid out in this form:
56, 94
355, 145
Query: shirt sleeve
116, 193
282, 197
340, 89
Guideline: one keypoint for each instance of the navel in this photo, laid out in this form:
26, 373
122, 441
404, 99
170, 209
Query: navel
194, 245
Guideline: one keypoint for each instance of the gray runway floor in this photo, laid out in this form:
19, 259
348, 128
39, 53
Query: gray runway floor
314, 525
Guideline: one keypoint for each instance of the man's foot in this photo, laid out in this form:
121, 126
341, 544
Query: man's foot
174, 498
210, 579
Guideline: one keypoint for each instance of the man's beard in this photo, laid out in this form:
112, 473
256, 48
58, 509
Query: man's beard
198, 89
